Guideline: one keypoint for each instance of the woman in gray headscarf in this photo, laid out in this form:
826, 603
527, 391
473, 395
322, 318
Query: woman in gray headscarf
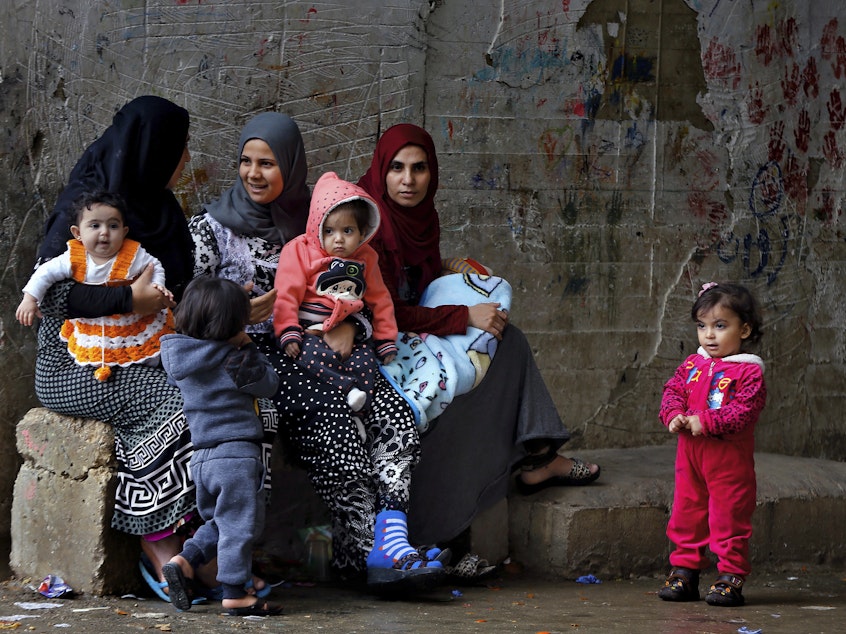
357, 473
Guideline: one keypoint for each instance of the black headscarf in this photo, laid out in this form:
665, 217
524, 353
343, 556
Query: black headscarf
284, 218
135, 157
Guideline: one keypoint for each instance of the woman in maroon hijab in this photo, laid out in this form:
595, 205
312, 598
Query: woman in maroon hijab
509, 420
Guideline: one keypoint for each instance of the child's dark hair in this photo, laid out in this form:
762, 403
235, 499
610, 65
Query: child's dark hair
98, 197
212, 308
360, 210
734, 297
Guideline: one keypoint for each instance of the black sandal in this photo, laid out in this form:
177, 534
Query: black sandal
726, 592
682, 584
403, 577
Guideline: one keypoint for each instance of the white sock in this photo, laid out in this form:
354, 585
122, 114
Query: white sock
356, 399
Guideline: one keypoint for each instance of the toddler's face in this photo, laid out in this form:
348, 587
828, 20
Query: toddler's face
720, 331
101, 231
341, 235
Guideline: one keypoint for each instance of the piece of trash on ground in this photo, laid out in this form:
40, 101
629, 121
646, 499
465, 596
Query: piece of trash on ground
587, 579
149, 615
746, 630
54, 587
28, 605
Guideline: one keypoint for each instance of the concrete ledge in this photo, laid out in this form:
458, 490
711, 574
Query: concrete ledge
61, 510
616, 527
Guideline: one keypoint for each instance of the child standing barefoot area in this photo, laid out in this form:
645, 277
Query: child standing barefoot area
100, 254
221, 372
328, 274
712, 403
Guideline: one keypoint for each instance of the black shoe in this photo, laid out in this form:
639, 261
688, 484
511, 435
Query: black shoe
726, 592
682, 584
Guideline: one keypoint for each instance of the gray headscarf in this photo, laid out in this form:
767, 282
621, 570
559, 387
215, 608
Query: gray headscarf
284, 218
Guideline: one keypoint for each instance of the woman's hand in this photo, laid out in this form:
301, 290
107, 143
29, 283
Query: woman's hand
488, 317
261, 308
146, 298
341, 339
240, 340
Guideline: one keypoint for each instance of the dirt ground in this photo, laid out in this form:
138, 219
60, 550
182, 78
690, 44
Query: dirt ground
795, 602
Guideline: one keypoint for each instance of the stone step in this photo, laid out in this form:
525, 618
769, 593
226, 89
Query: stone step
616, 526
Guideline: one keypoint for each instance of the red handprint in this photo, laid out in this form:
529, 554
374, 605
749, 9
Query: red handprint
756, 106
811, 79
787, 31
803, 131
776, 145
763, 43
795, 180
790, 84
836, 112
827, 41
839, 57
831, 151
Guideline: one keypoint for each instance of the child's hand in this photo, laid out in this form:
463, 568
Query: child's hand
161, 289
292, 349
27, 310
387, 360
240, 340
695, 425
677, 424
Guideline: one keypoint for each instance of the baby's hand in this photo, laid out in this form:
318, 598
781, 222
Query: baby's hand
161, 289
387, 360
27, 310
677, 424
695, 425
292, 349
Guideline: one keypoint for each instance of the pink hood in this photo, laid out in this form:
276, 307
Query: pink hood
329, 192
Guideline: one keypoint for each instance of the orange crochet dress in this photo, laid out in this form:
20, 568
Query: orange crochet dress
120, 339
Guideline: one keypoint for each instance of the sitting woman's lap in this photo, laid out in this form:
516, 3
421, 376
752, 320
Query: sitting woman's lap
152, 442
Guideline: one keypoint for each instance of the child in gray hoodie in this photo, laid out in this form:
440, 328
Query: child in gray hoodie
221, 372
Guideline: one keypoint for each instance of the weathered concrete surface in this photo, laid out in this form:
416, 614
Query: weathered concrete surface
616, 526
63, 501
606, 156
796, 601
613, 528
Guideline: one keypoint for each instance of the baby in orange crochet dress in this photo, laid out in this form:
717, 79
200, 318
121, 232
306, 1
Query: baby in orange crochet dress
100, 253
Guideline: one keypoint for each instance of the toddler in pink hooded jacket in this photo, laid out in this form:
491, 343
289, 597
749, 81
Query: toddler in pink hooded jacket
329, 275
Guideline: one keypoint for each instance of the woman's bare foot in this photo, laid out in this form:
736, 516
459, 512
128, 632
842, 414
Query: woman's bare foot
559, 467
161, 551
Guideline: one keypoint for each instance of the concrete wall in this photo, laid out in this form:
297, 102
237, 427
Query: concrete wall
606, 156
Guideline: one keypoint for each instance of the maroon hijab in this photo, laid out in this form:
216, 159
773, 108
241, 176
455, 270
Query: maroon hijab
408, 236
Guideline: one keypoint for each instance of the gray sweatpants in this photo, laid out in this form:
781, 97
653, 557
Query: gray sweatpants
230, 498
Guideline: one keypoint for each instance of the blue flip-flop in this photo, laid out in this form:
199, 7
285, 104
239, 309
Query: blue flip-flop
158, 586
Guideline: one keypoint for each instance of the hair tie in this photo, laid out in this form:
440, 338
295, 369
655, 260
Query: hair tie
706, 287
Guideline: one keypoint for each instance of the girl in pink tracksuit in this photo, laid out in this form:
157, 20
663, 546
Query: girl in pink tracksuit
712, 403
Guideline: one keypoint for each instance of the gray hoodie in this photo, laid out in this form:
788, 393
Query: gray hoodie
219, 384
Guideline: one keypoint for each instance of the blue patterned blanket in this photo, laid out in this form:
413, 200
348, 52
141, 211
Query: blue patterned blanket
431, 371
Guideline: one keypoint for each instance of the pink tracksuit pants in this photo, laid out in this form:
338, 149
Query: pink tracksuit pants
715, 492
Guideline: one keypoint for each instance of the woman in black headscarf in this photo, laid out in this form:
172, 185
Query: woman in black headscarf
140, 156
